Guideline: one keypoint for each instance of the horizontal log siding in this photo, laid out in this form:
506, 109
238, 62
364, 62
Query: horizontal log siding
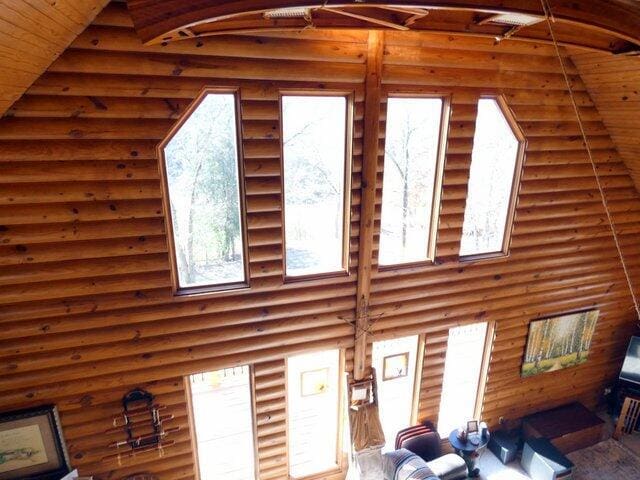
562, 254
86, 308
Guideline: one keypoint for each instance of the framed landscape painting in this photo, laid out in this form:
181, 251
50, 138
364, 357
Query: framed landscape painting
31, 445
559, 342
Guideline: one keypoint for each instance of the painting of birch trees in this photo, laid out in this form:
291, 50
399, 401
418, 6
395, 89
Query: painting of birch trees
559, 342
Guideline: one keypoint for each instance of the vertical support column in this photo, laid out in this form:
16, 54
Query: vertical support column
373, 94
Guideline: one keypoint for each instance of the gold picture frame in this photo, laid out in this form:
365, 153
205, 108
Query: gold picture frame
314, 382
559, 342
395, 366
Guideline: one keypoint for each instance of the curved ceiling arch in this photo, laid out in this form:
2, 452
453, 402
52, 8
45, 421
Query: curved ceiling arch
598, 24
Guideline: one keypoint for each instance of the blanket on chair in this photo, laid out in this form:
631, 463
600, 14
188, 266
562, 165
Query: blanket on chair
405, 465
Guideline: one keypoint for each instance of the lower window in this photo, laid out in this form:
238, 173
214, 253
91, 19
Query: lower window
396, 363
313, 402
223, 419
462, 370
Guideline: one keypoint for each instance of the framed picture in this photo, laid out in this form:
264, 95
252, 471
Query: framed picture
31, 445
395, 366
314, 382
559, 342
472, 426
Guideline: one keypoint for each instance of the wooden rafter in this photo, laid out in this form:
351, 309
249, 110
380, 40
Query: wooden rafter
373, 20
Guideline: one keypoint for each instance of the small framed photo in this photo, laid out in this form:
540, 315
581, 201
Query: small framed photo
395, 366
472, 426
314, 382
31, 445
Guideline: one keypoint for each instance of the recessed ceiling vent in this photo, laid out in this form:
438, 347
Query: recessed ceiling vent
293, 12
515, 19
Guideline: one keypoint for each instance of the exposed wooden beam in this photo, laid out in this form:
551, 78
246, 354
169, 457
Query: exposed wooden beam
366, 18
373, 93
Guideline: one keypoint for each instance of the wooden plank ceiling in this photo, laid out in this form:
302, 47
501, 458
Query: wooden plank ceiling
32, 35
614, 85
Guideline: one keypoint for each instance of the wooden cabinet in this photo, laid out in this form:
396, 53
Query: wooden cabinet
570, 427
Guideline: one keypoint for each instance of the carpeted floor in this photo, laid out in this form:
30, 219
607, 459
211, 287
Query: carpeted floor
606, 460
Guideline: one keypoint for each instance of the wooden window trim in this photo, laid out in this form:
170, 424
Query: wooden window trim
445, 119
348, 170
340, 464
515, 183
417, 384
166, 200
484, 368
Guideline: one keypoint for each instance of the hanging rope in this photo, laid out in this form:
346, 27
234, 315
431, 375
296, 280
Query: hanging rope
548, 14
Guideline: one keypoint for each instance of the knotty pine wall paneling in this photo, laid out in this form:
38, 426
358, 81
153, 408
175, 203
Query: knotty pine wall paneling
562, 254
86, 308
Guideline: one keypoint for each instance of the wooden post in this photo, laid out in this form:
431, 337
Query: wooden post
368, 204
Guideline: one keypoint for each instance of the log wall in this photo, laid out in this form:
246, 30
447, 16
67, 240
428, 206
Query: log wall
86, 307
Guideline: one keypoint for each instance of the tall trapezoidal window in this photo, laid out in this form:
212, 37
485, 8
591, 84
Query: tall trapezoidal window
412, 179
498, 147
201, 165
315, 149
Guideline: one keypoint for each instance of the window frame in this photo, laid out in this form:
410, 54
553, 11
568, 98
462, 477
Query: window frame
436, 206
193, 434
179, 291
340, 464
348, 171
516, 183
489, 342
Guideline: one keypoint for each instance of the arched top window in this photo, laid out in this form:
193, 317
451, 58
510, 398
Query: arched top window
498, 150
203, 190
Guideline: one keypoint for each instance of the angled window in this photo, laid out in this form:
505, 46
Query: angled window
315, 148
313, 399
398, 372
412, 178
463, 367
223, 421
498, 148
201, 165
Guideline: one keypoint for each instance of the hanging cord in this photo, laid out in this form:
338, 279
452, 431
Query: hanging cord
548, 15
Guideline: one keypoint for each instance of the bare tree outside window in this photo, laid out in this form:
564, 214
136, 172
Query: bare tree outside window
410, 166
314, 147
201, 162
493, 169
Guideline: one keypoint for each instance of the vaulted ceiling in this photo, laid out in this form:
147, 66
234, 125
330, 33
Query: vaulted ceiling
33, 33
614, 85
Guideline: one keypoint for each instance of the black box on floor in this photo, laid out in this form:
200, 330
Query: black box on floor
504, 446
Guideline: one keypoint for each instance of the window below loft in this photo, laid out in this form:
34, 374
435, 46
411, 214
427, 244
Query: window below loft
463, 367
223, 421
398, 376
412, 179
201, 166
498, 147
315, 131
313, 407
